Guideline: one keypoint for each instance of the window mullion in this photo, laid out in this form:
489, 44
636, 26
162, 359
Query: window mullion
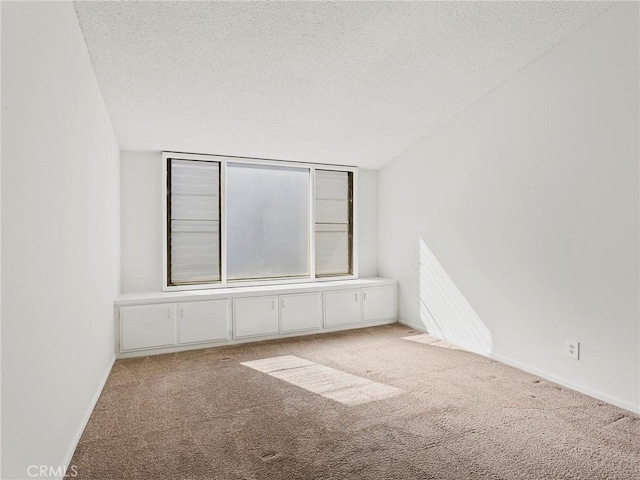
312, 223
223, 222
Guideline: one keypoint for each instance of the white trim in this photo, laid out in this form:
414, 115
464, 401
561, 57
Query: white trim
546, 375
223, 227
355, 219
224, 281
144, 298
255, 283
254, 160
163, 202
87, 415
411, 325
312, 222
257, 161
567, 383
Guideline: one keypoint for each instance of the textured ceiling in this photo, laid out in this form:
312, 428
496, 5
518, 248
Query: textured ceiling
334, 82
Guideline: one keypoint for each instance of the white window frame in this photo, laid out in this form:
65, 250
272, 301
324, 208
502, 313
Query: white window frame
224, 283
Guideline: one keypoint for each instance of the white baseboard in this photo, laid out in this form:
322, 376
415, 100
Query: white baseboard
546, 375
87, 415
411, 325
567, 383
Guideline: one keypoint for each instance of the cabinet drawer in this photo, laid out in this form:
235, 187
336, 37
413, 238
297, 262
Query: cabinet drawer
254, 316
341, 307
147, 326
300, 312
379, 303
204, 321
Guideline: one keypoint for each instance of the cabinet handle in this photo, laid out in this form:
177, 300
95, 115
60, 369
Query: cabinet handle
283, 303
181, 312
169, 313
356, 297
364, 296
273, 304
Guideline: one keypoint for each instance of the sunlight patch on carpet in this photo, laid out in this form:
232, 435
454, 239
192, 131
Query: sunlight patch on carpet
326, 381
431, 340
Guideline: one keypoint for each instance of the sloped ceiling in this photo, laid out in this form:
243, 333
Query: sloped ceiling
352, 83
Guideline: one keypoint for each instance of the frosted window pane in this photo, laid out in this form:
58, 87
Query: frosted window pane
194, 236
267, 221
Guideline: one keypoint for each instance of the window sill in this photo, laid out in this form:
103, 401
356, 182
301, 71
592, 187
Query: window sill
275, 282
245, 291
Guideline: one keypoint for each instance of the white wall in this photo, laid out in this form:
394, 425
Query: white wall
529, 200
141, 204
60, 235
141, 221
367, 223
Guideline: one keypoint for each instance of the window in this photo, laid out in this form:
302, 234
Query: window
267, 222
232, 221
193, 200
333, 223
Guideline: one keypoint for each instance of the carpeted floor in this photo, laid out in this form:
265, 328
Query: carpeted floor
445, 414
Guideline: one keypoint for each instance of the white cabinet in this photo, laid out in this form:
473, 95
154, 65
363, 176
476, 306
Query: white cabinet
203, 321
170, 322
301, 311
254, 316
341, 307
379, 303
147, 326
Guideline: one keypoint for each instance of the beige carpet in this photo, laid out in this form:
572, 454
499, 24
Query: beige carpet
445, 414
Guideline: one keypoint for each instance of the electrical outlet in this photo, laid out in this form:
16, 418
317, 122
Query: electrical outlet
572, 349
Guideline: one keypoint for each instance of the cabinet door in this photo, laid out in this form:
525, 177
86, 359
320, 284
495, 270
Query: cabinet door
341, 307
147, 326
253, 316
379, 303
300, 312
203, 321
